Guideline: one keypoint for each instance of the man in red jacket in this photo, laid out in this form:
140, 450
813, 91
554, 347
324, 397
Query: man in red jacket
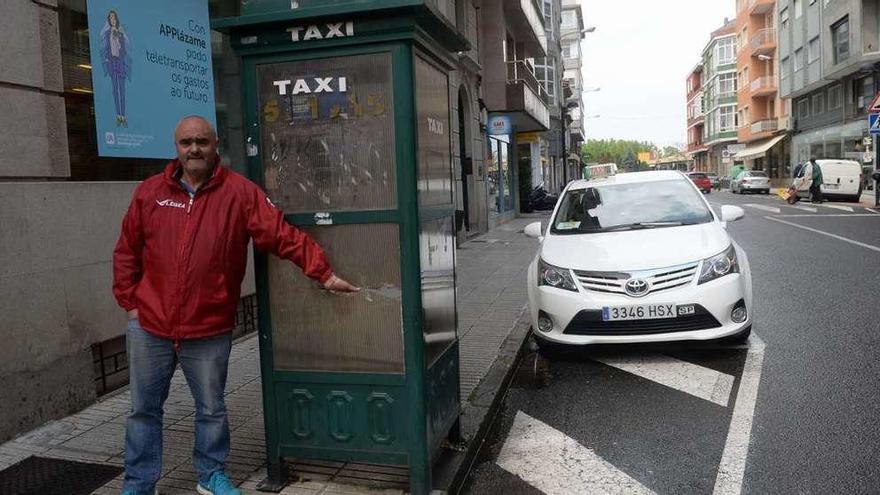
177, 271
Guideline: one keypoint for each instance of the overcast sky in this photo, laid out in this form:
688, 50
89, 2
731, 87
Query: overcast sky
640, 56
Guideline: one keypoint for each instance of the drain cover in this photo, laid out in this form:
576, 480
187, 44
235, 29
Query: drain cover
41, 475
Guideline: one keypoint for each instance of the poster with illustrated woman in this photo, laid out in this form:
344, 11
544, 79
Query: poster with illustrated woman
115, 47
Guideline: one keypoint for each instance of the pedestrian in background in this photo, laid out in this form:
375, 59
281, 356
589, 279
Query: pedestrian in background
816, 181
177, 270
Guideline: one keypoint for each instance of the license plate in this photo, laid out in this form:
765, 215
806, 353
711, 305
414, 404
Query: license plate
830, 186
640, 312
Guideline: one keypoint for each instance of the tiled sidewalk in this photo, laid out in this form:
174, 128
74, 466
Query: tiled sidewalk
491, 296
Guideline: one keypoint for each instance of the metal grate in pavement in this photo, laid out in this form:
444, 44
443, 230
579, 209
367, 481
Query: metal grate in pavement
378, 476
41, 475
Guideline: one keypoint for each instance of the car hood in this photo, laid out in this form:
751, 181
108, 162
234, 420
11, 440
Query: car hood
635, 249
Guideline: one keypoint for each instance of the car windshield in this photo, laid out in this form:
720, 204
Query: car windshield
639, 205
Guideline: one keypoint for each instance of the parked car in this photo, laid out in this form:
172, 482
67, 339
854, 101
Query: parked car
750, 181
701, 180
841, 179
639, 257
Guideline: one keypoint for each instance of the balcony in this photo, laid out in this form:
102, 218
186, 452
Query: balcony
769, 125
759, 7
764, 42
526, 22
763, 86
526, 98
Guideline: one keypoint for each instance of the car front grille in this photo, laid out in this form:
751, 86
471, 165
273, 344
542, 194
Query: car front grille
589, 322
658, 280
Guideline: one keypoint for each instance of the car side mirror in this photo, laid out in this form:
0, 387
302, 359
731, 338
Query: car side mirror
533, 230
731, 213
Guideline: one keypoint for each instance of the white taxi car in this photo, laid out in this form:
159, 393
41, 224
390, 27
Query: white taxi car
638, 257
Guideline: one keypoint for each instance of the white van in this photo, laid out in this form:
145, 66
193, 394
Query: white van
841, 179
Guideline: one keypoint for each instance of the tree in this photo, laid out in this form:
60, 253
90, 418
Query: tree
670, 150
613, 150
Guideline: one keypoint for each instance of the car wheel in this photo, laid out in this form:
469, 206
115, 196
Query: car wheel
708, 191
737, 338
549, 349
766, 191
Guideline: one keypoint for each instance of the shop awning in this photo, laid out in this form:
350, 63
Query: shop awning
758, 149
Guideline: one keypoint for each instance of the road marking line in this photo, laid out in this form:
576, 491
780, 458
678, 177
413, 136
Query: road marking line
844, 239
838, 207
872, 210
736, 448
806, 208
683, 376
555, 463
762, 207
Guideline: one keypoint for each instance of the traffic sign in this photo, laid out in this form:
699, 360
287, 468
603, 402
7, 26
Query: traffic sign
874, 123
874, 107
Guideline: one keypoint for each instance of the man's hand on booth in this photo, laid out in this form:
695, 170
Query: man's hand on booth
336, 284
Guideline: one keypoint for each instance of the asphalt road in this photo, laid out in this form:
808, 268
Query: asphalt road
802, 398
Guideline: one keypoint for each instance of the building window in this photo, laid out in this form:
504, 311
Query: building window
569, 19
798, 59
818, 103
840, 40
571, 49
835, 97
798, 9
785, 67
727, 119
783, 19
726, 85
803, 108
813, 50
726, 51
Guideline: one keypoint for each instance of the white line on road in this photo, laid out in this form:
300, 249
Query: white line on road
844, 239
806, 208
872, 210
838, 207
555, 463
683, 376
762, 207
736, 449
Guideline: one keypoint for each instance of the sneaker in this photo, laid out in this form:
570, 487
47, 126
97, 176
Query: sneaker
219, 484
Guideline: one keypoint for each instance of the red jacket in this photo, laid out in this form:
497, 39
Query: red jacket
180, 261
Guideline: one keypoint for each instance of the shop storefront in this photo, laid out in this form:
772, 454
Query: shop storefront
500, 181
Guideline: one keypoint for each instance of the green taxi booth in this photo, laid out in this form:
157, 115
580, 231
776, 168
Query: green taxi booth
347, 112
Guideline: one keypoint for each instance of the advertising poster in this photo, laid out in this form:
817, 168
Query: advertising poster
151, 66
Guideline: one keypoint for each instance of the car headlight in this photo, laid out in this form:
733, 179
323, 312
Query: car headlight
555, 276
719, 265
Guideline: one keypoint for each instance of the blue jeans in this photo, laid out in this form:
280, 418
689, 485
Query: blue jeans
151, 362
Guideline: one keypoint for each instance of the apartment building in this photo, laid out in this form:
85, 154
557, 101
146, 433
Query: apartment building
512, 37
829, 53
548, 147
696, 149
572, 32
719, 83
762, 116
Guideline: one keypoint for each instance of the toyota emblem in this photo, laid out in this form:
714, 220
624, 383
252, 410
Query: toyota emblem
636, 287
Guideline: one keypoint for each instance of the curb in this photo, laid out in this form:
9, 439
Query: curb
479, 411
